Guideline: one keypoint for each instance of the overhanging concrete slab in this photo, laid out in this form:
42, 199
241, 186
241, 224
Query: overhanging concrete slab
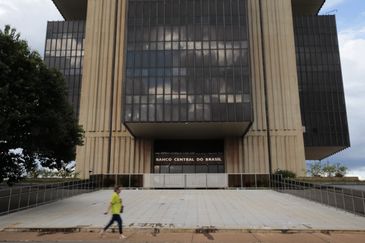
307, 7
188, 130
77, 9
72, 9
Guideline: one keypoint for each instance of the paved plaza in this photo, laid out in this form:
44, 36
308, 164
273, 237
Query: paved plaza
219, 237
179, 210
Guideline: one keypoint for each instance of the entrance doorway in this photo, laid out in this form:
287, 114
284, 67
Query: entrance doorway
188, 156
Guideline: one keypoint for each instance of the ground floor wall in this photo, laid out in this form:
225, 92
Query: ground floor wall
241, 155
250, 154
127, 155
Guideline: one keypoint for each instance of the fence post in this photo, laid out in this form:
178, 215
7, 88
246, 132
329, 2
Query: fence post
9, 201
241, 180
20, 198
363, 202
44, 194
353, 201
30, 189
36, 197
63, 190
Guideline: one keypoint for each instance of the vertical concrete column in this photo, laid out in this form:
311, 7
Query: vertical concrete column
101, 97
282, 93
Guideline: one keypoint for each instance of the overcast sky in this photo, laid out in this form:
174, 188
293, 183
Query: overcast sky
30, 18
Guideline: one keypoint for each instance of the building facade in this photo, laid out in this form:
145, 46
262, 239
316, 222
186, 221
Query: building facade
200, 86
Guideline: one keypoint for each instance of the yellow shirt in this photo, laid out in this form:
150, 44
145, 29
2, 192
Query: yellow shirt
116, 203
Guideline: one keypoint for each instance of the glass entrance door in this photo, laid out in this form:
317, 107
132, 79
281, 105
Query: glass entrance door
188, 156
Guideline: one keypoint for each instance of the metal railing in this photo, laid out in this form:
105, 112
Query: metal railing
19, 198
349, 200
124, 180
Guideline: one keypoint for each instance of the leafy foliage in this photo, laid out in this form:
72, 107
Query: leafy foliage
285, 173
329, 170
35, 115
340, 170
316, 169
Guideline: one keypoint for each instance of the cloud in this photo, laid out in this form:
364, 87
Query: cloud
330, 4
352, 49
30, 18
6, 7
360, 172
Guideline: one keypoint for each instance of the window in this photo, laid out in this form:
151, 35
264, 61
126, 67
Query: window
188, 47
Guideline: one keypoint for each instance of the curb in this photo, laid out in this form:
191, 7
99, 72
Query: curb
201, 230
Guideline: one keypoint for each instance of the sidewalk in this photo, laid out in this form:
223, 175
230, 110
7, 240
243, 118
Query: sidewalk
177, 211
231, 237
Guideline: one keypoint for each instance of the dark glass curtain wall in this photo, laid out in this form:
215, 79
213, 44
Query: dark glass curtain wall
320, 82
65, 52
187, 60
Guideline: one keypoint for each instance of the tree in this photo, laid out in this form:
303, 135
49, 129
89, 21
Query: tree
340, 170
35, 114
329, 169
316, 169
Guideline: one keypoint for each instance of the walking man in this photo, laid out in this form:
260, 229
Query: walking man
116, 208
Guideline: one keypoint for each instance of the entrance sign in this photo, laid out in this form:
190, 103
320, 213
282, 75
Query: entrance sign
175, 158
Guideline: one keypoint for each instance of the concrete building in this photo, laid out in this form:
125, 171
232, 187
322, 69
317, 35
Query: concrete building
200, 86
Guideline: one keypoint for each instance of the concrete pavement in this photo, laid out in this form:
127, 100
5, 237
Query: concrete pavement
223, 237
183, 210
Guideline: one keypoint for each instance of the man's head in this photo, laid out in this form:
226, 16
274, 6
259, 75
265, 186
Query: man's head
117, 189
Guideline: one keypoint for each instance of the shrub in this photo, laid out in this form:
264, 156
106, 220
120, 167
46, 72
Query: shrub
329, 170
340, 170
285, 173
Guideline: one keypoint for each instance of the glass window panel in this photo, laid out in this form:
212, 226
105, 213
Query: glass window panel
201, 168
172, 69
175, 112
221, 169
191, 112
159, 86
136, 113
222, 98
159, 99
176, 169
207, 112
151, 112
167, 112
143, 114
188, 169
144, 99
129, 99
159, 112
168, 86
164, 169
